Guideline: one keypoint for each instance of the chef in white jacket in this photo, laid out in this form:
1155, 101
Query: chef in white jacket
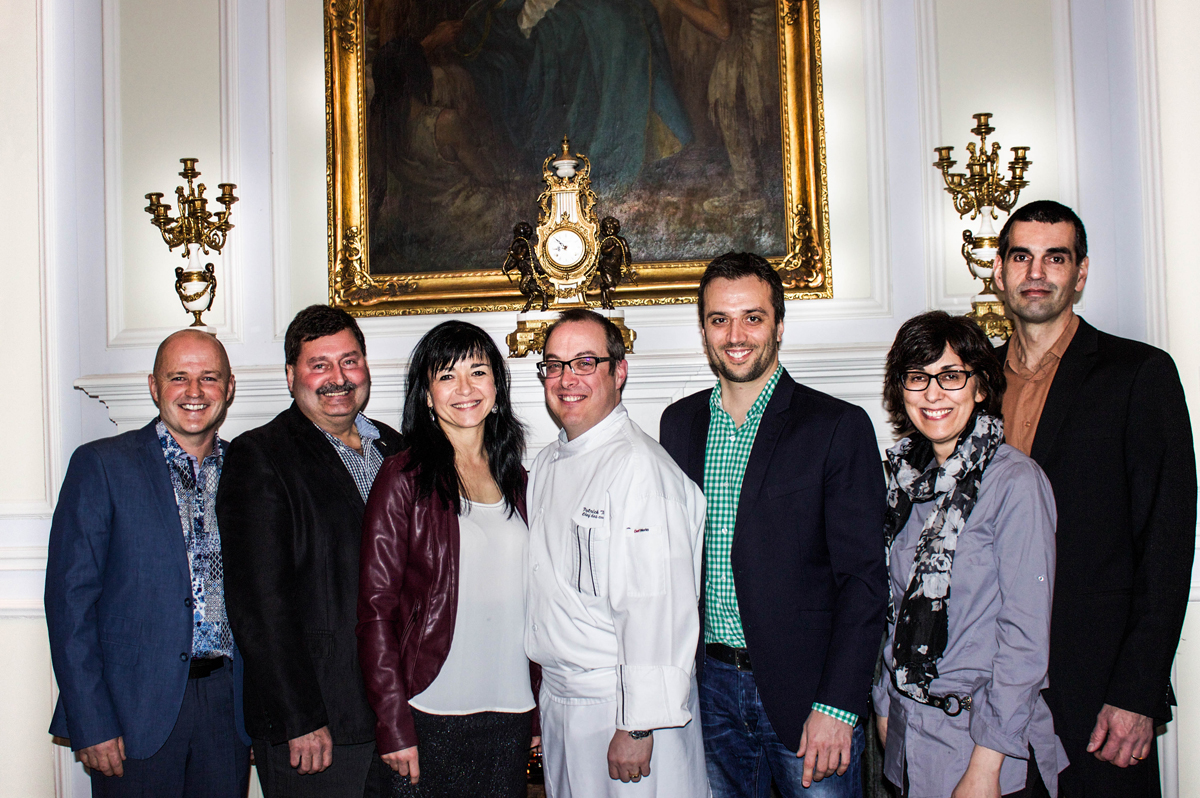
615, 535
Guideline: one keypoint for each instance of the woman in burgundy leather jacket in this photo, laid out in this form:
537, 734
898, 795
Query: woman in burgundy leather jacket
441, 598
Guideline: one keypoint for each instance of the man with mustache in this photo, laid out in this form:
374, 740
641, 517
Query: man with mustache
1105, 418
291, 505
794, 583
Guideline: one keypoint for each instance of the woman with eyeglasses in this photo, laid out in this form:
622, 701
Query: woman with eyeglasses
969, 532
441, 607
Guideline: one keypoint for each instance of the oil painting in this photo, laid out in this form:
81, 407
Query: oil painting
702, 120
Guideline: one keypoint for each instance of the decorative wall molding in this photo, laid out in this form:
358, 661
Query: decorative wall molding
21, 608
23, 558
120, 335
1150, 154
1064, 96
280, 198
48, 379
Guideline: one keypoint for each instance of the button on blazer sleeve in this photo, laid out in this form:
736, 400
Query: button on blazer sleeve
262, 589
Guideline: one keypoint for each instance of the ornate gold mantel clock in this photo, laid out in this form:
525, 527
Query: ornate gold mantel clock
569, 254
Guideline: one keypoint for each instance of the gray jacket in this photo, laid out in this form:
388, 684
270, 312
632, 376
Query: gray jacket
999, 640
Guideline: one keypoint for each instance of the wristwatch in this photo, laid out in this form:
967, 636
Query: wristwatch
641, 735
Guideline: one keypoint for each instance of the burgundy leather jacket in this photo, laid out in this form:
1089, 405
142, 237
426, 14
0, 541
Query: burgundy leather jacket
407, 599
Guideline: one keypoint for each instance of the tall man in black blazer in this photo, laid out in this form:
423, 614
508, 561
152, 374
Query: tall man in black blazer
794, 591
1105, 418
290, 507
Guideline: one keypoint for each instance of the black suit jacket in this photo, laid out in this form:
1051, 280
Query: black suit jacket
291, 528
807, 550
1115, 440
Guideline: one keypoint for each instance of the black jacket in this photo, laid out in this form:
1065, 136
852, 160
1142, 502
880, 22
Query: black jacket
1115, 440
807, 548
291, 528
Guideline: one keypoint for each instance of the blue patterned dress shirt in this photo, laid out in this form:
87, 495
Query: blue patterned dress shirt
195, 485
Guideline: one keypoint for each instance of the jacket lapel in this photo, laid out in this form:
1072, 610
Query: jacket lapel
162, 494
1076, 364
325, 457
698, 442
775, 416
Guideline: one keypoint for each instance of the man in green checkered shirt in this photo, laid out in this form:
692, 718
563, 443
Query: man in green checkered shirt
794, 586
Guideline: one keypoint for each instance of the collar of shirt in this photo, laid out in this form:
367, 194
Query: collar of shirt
1015, 362
173, 452
756, 410
595, 436
366, 430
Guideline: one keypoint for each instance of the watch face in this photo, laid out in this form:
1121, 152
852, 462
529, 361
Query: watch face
564, 247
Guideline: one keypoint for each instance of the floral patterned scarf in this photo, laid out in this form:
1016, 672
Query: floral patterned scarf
922, 621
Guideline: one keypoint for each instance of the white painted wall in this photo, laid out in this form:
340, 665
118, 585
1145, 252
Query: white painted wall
102, 99
1178, 73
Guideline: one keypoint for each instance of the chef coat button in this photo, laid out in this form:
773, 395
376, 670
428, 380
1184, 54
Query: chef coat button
535, 627
183, 657
535, 566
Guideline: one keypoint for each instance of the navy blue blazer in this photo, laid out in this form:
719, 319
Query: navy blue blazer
119, 598
807, 551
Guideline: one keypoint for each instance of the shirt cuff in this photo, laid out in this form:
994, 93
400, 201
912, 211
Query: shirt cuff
839, 714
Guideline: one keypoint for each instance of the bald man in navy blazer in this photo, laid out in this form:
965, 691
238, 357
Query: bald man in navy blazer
148, 673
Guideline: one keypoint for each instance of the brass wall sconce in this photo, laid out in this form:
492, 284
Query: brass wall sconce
196, 229
980, 191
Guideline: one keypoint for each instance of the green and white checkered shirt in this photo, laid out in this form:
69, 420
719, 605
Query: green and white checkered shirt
725, 458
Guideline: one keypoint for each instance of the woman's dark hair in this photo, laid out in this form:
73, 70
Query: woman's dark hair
431, 455
922, 340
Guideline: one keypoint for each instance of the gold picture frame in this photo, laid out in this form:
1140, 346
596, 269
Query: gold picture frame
804, 264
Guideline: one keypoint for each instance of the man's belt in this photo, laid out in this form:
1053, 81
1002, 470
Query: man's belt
737, 657
203, 667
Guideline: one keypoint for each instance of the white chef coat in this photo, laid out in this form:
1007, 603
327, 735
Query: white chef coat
615, 536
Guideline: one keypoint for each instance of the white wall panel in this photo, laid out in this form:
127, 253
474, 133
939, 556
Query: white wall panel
1175, 28
163, 101
27, 767
23, 470
298, 75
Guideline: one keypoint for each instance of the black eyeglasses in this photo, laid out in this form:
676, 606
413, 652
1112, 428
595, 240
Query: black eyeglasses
580, 366
946, 380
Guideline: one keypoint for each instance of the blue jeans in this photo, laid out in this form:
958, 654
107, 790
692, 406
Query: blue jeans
742, 752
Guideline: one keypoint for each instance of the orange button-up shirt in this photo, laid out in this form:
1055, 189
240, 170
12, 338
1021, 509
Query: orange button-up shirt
1027, 388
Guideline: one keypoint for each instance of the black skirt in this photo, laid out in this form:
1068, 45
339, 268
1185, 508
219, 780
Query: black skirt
483, 755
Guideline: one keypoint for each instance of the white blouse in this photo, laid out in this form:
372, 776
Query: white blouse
486, 669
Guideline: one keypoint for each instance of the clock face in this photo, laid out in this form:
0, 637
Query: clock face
564, 247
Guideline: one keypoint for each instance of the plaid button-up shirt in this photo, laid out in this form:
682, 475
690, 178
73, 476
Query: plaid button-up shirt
363, 466
725, 457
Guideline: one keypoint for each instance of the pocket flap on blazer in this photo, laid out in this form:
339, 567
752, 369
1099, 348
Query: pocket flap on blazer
118, 629
789, 487
815, 619
319, 643
119, 653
